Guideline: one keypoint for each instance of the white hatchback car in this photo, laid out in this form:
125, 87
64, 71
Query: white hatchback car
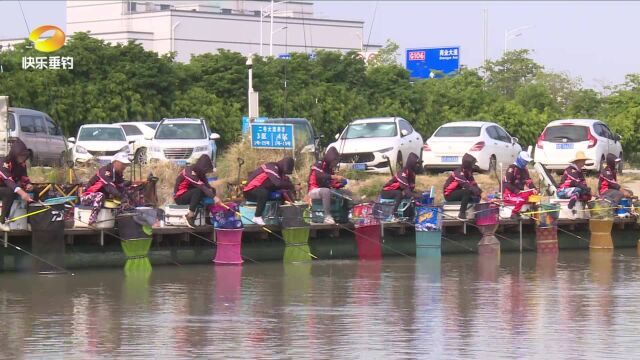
368, 144
99, 142
561, 139
138, 132
182, 141
489, 143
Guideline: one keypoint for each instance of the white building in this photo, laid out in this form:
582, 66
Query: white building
196, 27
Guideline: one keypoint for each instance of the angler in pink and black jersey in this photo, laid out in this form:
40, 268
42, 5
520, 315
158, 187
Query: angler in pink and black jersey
192, 185
266, 179
323, 181
608, 186
517, 184
14, 181
461, 186
108, 181
573, 184
403, 184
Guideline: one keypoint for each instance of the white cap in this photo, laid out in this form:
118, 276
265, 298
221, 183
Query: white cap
122, 157
525, 156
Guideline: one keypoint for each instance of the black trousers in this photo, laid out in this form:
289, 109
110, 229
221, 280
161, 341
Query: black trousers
462, 195
260, 196
396, 195
8, 197
191, 198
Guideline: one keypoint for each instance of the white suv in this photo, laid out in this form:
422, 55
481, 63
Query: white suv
373, 145
182, 141
561, 139
99, 142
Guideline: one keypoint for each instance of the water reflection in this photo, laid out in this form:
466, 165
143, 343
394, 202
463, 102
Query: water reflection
572, 304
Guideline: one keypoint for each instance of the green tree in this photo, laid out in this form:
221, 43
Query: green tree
387, 55
515, 69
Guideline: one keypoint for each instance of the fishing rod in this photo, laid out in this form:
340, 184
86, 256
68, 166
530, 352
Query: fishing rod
39, 258
46, 207
478, 227
122, 239
458, 243
529, 217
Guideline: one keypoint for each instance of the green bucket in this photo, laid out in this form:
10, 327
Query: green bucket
136, 248
296, 244
600, 209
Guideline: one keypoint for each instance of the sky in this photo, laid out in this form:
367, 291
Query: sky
595, 41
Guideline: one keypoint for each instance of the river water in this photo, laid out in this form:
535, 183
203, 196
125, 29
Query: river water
576, 305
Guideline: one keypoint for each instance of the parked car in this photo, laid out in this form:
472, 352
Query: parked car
560, 140
305, 136
182, 140
488, 142
138, 132
368, 144
40, 133
99, 142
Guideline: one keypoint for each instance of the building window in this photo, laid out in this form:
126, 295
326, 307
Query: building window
164, 7
131, 6
226, 11
256, 13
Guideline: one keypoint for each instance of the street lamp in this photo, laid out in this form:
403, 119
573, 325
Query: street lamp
512, 34
271, 13
263, 13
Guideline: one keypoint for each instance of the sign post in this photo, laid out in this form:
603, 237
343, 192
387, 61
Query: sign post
429, 63
272, 136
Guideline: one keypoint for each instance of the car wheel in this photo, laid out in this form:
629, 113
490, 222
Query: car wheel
141, 156
399, 163
493, 164
621, 164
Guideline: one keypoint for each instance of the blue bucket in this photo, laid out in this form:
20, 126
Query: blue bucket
625, 206
428, 218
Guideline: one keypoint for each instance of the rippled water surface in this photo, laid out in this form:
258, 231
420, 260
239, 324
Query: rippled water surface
575, 305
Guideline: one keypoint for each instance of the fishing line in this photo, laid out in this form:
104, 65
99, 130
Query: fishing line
265, 229
122, 239
39, 258
478, 227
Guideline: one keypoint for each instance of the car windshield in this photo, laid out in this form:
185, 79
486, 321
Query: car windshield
180, 131
458, 131
101, 134
371, 130
566, 133
152, 125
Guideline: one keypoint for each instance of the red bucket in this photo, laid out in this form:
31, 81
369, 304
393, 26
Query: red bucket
487, 214
369, 242
229, 246
362, 214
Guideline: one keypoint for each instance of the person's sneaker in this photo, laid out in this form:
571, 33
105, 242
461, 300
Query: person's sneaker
190, 221
329, 220
572, 203
258, 220
5, 227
